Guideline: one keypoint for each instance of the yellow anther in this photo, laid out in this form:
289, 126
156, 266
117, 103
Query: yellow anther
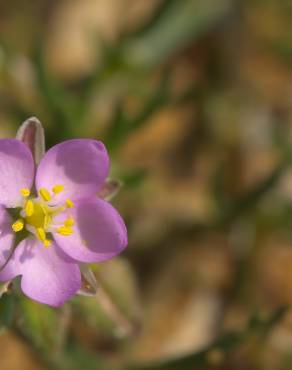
69, 203
29, 208
47, 220
47, 243
41, 234
18, 226
65, 231
58, 188
69, 222
25, 192
45, 194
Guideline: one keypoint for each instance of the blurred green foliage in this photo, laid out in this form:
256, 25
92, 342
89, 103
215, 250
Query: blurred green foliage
138, 69
225, 344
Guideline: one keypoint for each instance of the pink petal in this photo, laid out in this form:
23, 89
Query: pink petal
48, 275
80, 165
7, 237
99, 233
16, 169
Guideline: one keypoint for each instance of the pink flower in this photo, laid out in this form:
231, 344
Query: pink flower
55, 211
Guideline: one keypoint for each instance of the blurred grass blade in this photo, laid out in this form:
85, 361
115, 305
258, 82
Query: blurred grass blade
40, 324
57, 100
118, 128
157, 100
179, 24
133, 179
250, 199
158, 13
122, 125
263, 326
6, 311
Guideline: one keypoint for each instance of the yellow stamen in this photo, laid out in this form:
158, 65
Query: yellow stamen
18, 226
69, 222
41, 234
25, 192
58, 188
47, 243
47, 220
39, 215
69, 203
45, 194
65, 231
29, 208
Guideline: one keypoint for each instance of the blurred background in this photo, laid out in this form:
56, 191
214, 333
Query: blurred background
193, 99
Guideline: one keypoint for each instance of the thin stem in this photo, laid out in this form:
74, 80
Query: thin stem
125, 326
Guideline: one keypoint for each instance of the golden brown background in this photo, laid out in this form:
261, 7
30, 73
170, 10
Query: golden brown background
193, 99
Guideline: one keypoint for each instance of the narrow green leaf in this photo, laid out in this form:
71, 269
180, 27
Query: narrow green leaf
178, 24
6, 310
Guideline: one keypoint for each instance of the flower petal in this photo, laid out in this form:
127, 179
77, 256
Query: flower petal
81, 166
7, 237
16, 169
48, 275
99, 233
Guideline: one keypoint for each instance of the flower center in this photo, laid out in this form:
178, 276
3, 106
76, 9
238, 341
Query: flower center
39, 217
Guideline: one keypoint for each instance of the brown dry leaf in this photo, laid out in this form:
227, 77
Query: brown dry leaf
186, 318
269, 21
274, 271
15, 354
71, 46
267, 76
22, 81
148, 147
176, 193
73, 42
